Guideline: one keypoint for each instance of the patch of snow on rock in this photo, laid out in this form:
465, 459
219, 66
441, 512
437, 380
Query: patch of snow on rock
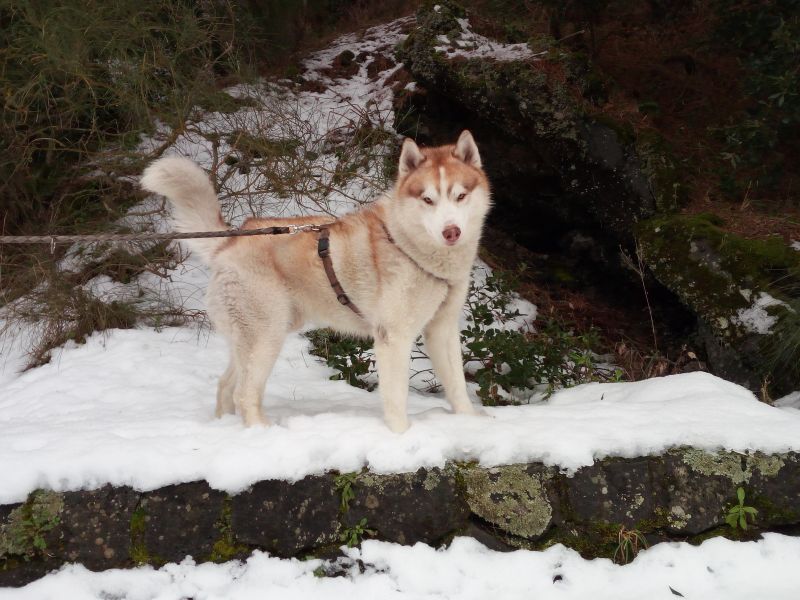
756, 318
473, 45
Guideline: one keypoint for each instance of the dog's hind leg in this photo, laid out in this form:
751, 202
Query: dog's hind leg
225, 389
256, 353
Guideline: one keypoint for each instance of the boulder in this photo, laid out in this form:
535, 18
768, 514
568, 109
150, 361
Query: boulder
741, 291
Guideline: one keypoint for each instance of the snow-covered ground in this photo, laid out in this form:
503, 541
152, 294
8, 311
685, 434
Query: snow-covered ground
135, 407
718, 569
142, 396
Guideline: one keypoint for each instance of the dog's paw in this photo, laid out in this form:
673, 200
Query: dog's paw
479, 411
222, 411
255, 420
397, 424
467, 408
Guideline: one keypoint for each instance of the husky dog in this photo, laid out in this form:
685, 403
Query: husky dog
395, 269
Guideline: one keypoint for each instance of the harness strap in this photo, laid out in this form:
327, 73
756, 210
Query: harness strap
324, 251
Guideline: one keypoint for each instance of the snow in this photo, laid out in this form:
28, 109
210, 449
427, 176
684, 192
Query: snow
142, 395
791, 400
322, 122
716, 569
473, 45
756, 319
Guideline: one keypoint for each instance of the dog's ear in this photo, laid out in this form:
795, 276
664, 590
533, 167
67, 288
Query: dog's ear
466, 150
410, 157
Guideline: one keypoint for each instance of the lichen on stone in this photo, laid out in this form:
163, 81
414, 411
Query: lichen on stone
510, 497
739, 468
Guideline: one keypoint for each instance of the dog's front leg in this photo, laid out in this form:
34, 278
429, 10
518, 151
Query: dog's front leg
443, 343
393, 355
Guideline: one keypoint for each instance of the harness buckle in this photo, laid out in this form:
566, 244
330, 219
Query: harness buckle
324, 247
293, 229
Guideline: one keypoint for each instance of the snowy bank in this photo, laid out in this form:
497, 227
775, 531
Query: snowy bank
146, 399
122, 431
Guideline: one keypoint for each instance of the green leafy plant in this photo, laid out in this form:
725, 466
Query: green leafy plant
507, 362
352, 358
510, 360
345, 483
737, 515
352, 536
25, 533
629, 542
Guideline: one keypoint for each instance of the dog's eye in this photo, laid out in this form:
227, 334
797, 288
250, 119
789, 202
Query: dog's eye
427, 200
461, 196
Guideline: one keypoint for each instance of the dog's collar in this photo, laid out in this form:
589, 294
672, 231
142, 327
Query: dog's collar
411, 258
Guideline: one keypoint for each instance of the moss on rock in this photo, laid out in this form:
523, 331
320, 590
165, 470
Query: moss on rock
737, 467
513, 498
736, 287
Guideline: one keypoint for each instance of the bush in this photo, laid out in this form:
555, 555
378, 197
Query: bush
78, 76
766, 38
514, 362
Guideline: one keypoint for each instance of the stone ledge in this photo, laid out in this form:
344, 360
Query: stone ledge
683, 494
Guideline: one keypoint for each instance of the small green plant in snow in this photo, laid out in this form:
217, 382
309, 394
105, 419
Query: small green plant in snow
737, 515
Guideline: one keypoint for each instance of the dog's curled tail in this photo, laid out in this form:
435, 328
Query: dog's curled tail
194, 202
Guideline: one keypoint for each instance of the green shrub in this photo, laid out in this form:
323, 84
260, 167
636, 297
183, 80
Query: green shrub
77, 76
515, 362
766, 38
351, 357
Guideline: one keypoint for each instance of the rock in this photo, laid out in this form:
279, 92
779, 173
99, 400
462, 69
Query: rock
409, 507
287, 518
378, 64
179, 521
516, 499
683, 494
50, 528
730, 284
343, 66
95, 526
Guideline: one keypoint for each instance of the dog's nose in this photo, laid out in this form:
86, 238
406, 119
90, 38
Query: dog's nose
451, 234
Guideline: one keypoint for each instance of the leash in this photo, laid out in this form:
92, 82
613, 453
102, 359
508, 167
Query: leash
140, 237
323, 246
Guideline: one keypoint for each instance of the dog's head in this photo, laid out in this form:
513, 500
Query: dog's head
443, 190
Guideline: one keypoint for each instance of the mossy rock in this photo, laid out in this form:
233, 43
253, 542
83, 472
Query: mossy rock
684, 493
741, 290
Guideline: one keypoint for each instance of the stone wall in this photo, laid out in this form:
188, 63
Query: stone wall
681, 495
